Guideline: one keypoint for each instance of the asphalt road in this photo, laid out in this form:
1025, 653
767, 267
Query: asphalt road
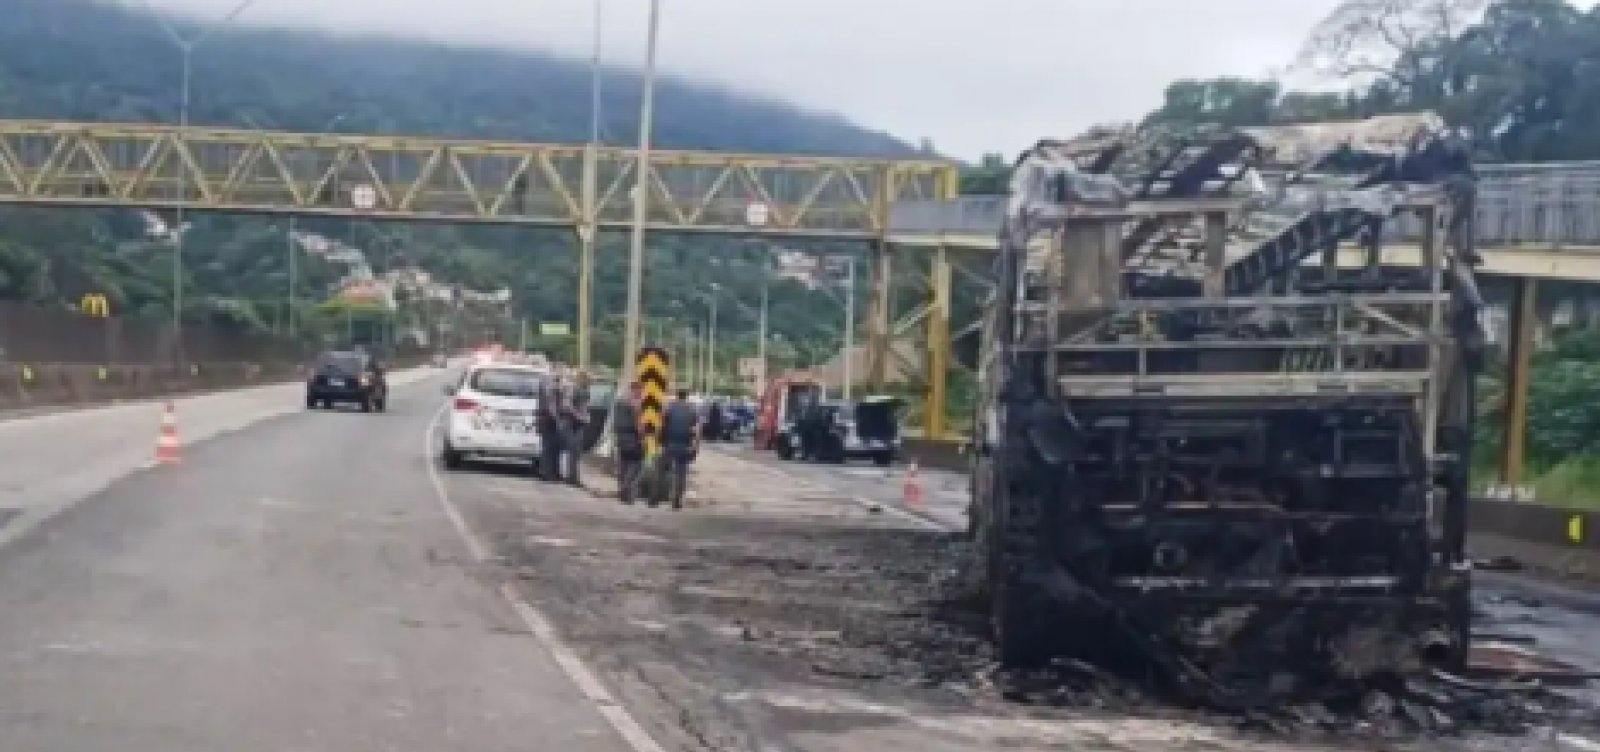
771, 616
310, 580
941, 496
293, 585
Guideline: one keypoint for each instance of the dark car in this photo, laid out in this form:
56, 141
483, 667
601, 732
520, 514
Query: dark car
349, 377
838, 431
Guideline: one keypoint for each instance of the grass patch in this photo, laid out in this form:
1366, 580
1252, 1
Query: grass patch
1572, 483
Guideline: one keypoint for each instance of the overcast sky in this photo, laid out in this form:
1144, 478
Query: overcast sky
972, 75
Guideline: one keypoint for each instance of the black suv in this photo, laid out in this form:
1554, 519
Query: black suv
837, 431
348, 376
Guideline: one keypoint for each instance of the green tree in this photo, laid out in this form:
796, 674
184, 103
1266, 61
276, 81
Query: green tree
1219, 101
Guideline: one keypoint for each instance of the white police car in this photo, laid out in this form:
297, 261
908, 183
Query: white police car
494, 414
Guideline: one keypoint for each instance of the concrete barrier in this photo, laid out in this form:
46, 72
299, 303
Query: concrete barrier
1567, 528
936, 454
26, 385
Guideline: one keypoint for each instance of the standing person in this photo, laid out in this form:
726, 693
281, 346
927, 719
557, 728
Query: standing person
714, 420
551, 397
680, 439
627, 433
576, 419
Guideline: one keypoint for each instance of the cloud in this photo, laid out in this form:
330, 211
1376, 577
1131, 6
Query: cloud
971, 75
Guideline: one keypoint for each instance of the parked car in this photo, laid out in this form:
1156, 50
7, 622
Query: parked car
493, 415
347, 377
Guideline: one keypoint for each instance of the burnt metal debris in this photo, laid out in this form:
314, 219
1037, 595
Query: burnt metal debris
1207, 448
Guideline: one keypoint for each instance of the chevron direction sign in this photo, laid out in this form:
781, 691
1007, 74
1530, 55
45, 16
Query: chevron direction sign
654, 367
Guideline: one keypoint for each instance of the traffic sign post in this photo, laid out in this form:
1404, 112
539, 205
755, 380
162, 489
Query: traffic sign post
655, 376
654, 370
364, 197
756, 214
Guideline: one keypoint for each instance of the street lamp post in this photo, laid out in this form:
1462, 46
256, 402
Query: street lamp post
761, 338
711, 341
849, 325
705, 375
691, 358
589, 228
294, 298
290, 245
641, 199
294, 278
187, 46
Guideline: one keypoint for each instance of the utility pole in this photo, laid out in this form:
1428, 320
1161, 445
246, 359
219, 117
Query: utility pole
685, 359
589, 229
849, 324
641, 200
711, 341
761, 338
294, 294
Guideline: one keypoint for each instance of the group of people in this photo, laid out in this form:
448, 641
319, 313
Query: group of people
680, 443
562, 418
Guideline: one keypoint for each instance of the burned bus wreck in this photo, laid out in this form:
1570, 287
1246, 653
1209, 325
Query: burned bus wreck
1223, 431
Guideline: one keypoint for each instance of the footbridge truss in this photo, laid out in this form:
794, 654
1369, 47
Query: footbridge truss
421, 178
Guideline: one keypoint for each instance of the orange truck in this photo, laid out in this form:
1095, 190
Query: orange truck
782, 402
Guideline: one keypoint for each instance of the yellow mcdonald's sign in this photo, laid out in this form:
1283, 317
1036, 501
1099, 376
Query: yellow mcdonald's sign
95, 304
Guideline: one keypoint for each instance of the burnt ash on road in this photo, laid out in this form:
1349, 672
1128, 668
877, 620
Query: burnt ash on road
779, 613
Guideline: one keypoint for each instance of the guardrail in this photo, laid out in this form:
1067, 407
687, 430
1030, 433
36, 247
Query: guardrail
57, 384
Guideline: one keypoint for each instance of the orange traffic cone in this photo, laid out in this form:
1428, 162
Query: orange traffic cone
912, 489
167, 442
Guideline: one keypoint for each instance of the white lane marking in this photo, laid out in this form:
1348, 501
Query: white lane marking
580, 674
918, 519
1578, 742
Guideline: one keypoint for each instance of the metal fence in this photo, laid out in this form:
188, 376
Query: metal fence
51, 356
39, 335
967, 215
1555, 203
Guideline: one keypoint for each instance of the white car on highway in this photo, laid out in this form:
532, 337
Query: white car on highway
494, 414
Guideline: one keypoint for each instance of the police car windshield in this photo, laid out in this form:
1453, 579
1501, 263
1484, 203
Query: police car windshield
506, 382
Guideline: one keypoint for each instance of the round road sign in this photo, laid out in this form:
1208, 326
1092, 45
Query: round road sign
364, 196
756, 214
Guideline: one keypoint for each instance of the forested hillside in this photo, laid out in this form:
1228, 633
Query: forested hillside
1522, 77
100, 61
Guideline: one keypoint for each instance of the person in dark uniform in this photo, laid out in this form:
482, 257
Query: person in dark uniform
552, 396
628, 435
575, 417
714, 421
680, 438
